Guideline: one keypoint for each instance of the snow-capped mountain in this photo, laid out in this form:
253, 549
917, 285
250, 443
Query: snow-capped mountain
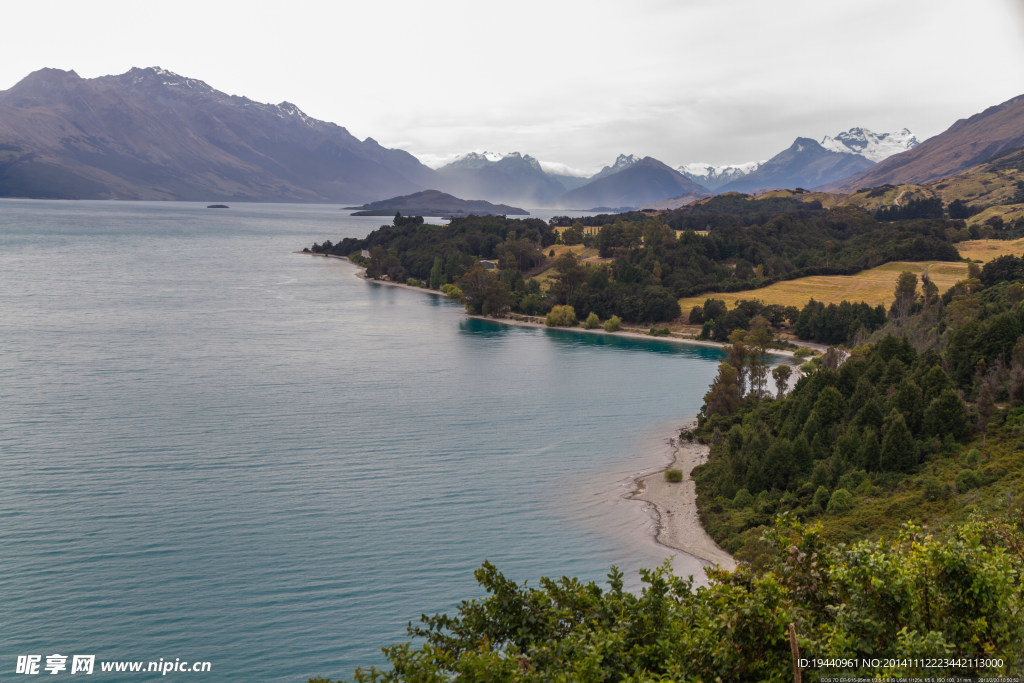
622, 162
870, 145
713, 177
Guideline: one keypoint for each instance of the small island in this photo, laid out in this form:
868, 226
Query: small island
218, 206
435, 203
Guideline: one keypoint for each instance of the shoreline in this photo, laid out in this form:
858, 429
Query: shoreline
677, 524
635, 333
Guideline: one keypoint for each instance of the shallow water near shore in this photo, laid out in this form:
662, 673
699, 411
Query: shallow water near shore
215, 449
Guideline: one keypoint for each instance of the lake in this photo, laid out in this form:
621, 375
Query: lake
216, 449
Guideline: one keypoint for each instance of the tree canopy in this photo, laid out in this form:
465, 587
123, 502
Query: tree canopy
879, 607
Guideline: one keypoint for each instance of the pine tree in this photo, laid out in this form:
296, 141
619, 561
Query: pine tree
904, 295
899, 451
736, 356
436, 274
781, 375
869, 451
986, 406
724, 395
946, 415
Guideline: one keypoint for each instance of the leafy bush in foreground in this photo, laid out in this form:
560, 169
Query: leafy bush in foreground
955, 594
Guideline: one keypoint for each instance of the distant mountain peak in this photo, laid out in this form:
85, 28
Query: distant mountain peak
476, 159
46, 80
638, 182
622, 162
50, 73
804, 144
870, 145
155, 75
527, 158
651, 162
483, 159
290, 110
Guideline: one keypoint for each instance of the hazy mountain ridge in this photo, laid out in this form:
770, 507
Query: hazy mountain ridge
513, 178
152, 134
637, 184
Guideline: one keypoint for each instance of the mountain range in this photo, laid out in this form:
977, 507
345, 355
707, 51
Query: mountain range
153, 134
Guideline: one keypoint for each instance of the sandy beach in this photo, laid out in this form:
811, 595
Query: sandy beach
677, 523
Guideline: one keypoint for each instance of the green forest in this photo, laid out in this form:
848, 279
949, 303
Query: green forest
648, 261
916, 422
872, 495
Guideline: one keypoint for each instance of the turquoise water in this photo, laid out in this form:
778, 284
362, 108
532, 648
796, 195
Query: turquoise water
215, 449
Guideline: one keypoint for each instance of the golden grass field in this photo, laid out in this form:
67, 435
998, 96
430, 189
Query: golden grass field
874, 286
986, 250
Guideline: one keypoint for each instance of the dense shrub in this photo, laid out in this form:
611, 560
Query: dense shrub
967, 480
841, 501
613, 324
561, 316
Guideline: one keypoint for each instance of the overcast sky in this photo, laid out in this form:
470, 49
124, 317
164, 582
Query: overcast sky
569, 82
